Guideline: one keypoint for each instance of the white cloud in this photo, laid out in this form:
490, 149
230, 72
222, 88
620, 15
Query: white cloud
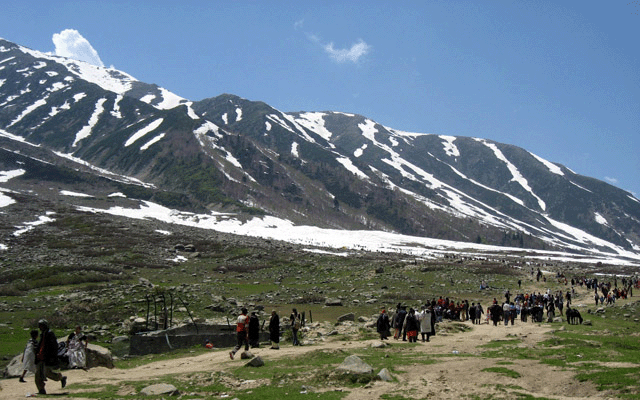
71, 44
357, 51
612, 181
298, 24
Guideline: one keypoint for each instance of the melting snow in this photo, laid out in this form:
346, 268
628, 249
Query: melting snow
552, 167
352, 168
278, 229
294, 150
31, 225
314, 121
74, 194
516, 175
5, 176
449, 147
142, 132
359, 151
86, 130
601, 220
152, 141
238, 114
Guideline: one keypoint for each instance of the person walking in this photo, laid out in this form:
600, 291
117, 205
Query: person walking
242, 333
29, 356
411, 326
274, 330
254, 330
47, 358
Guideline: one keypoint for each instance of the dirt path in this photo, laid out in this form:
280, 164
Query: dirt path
453, 377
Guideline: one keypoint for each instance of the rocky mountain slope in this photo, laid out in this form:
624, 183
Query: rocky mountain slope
100, 131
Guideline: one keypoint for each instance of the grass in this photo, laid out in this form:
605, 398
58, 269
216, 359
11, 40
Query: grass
604, 353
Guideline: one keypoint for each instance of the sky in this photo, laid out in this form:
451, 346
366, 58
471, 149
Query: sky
558, 78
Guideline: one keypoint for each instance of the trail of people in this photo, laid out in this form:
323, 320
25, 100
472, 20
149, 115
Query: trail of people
452, 376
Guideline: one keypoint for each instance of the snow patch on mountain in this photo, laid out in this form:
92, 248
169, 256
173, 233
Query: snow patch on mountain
314, 121
151, 142
450, 148
93, 120
360, 150
600, 219
552, 167
515, 173
238, 114
348, 164
278, 229
105, 173
142, 132
294, 150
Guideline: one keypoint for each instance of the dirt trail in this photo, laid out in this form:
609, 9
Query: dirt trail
452, 377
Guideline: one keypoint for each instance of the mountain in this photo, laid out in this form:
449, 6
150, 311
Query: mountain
101, 131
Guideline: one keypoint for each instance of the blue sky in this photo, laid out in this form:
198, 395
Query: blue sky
558, 78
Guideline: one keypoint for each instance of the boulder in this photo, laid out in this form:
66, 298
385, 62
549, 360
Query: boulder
246, 355
347, 317
160, 389
354, 365
385, 375
333, 302
255, 362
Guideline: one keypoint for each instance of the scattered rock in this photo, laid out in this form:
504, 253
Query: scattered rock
255, 362
333, 302
347, 317
160, 389
354, 364
246, 355
385, 375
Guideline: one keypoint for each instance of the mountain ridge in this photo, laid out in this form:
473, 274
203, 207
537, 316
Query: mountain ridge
330, 169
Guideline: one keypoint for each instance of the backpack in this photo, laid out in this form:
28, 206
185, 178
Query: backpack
297, 322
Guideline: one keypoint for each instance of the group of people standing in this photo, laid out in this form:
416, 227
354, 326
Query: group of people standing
407, 324
42, 355
248, 330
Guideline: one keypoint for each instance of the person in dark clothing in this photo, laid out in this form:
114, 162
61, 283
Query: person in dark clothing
399, 323
411, 326
47, 358
274, 330
296, 323
254, 330
383, 325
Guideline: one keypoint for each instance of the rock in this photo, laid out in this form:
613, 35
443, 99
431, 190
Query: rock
160, 389
379, 270
379, 345
98, 356
347, 317
371, 301
354, 365
385, 375
255, 362
333, 302
587, 322
246, 355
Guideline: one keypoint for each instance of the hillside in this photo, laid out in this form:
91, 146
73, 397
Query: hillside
325, 169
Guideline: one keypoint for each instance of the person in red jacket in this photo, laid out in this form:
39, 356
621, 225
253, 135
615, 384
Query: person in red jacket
242, 332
